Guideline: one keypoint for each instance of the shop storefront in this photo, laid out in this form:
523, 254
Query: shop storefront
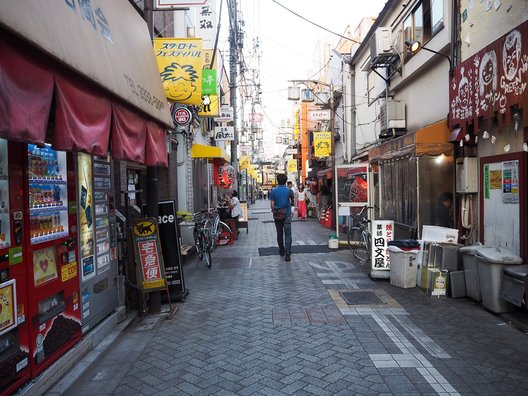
488, 102
77, 90
403, 186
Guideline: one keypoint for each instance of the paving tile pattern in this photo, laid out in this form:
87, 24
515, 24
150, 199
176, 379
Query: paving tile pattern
261, 326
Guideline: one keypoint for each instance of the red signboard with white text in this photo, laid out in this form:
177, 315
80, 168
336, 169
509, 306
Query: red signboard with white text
491, 81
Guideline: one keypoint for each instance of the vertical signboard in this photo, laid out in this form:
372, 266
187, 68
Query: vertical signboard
148, 254
170, 246
382, 233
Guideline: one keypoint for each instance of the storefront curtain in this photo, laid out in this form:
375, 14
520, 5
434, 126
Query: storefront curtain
156, 145
129, 133
82, 117
399, 191
26, 91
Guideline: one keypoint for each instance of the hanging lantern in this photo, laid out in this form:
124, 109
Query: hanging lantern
226, 176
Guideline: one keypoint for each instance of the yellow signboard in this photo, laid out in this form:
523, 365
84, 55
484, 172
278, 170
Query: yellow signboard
180, 64
244, 162
69, 271
322, 144
292, 165
210, 106
296, 125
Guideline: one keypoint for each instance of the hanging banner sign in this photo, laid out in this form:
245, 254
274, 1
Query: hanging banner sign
292, 165
205, 24
226, 114
224, 133
318, 115
290, 151
180, 63
208, 82
169, 4
322, 144
148, 254
382, 234
296, 125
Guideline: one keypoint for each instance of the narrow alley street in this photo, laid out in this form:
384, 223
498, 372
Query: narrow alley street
254, 324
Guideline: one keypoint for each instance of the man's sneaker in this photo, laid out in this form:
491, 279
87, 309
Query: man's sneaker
288, 257
282, 253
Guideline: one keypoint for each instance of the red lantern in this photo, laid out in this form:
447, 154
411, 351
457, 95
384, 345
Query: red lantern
226, 176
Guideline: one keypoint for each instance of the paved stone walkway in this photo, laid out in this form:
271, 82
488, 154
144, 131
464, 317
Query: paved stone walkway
317, 325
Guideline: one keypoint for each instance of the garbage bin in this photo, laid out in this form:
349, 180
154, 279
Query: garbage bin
403, 266
469, 260
491, 261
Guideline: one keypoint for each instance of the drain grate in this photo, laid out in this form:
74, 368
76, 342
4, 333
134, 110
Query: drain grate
361, 297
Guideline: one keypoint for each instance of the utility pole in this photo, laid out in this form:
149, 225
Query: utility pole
233, 62
154, 302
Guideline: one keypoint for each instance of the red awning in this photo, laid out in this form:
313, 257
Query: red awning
86, 116
156, 145
129, 133
82, 117
26, 91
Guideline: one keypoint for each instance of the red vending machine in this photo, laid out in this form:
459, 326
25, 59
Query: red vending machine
14, 323
51, 259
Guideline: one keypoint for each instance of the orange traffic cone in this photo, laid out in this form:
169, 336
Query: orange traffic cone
328, 220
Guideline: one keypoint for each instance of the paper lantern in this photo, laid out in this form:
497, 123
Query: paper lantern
226, 176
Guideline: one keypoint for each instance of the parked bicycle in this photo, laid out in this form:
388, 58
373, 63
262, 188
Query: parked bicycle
202, 237
221, 233
359, 237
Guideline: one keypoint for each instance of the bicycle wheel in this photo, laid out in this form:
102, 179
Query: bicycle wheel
224, 234
356, 243
214, 234
198, 242
207, 246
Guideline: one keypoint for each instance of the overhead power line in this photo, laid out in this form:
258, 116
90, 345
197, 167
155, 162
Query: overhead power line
315, 24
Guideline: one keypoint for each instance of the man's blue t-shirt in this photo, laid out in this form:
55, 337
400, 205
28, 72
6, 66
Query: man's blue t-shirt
281, 196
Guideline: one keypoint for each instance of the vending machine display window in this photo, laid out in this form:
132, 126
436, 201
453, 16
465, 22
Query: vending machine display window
48, 198
8, 306
44, 265
5, 237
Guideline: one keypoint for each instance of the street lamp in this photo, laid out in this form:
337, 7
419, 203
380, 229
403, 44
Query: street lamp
415, 46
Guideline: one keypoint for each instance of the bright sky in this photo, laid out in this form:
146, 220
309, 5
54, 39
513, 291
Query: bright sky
289, 44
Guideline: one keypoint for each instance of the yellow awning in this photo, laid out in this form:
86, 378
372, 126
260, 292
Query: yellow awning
204, 151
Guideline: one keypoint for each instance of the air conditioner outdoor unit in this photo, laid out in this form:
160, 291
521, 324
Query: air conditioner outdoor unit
392, 119
381, 43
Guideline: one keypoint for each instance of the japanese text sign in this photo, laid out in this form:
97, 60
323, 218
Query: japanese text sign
148, 254
180, 63
382, 234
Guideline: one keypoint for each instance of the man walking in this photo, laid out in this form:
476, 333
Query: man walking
281, 202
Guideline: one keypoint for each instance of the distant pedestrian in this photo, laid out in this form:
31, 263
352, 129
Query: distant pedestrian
301, 203
290, 186
281, 202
